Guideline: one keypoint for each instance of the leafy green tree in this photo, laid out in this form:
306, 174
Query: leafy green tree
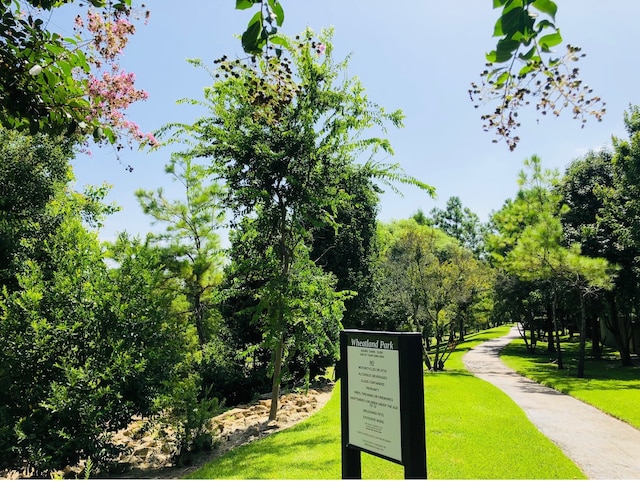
191, 241
505, 228
460, 223
583, 186
313, 306
434, 277
84, 346
620, 215
283, 134
350, 252
32, 171
540, 254
84, 349
421, 218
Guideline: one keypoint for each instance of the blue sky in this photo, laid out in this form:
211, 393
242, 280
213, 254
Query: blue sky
416, 55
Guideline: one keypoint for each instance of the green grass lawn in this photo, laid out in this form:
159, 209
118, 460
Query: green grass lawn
607, 385
474, 431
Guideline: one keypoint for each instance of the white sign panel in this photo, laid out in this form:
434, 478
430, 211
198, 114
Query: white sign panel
374, 396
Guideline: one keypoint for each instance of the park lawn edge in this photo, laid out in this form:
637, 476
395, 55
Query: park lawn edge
608, 386
465, 438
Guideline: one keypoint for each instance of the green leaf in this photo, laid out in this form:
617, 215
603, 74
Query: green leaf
280, 40
54, 48
542, 24
549, 41
503, 52
251, 38
244, 4
526, 69
515, 20
65, 67
502, 79
492, 57
276, 6
546, 6
528, 54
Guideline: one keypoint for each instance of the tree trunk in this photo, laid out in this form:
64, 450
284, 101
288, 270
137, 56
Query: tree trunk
534, 340
550, 330
522, 329
436, 357
555, 326
275, 384
596, 338
583, 336
198, 313
425, 356
617, 326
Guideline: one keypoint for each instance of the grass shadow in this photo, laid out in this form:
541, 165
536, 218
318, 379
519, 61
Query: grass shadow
607, 385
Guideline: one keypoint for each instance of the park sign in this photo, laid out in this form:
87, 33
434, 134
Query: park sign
382, 400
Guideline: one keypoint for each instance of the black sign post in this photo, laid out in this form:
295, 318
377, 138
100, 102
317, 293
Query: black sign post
382, 400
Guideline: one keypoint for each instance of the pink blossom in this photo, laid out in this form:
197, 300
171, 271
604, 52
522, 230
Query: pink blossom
110, 90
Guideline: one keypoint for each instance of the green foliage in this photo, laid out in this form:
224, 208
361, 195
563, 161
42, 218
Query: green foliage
350, 252
39, 90
607, 221
191, 244
283, 134
436, 281
189, 412
84, 346
460, 223
308, 301
523, 65
531, 246
84, 349
32, 171
582, 186
529, 240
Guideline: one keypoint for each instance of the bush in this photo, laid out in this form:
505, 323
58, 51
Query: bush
84, 348
189, 410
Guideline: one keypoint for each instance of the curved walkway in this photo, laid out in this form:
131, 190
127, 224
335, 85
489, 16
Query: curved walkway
602, 446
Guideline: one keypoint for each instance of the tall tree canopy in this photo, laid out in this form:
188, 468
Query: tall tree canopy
283, 134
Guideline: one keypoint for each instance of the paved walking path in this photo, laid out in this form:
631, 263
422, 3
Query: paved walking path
602, 446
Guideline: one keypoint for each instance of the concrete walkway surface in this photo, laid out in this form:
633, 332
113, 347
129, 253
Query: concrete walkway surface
602, 446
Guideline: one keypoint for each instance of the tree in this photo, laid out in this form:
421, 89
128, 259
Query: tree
522, 66
460, 223
620, 215
283, 135
435, 279
539, 253
311, 304
32, 171
84, 346
60, 85
350, 252
506, 227
191, 241
583, 185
